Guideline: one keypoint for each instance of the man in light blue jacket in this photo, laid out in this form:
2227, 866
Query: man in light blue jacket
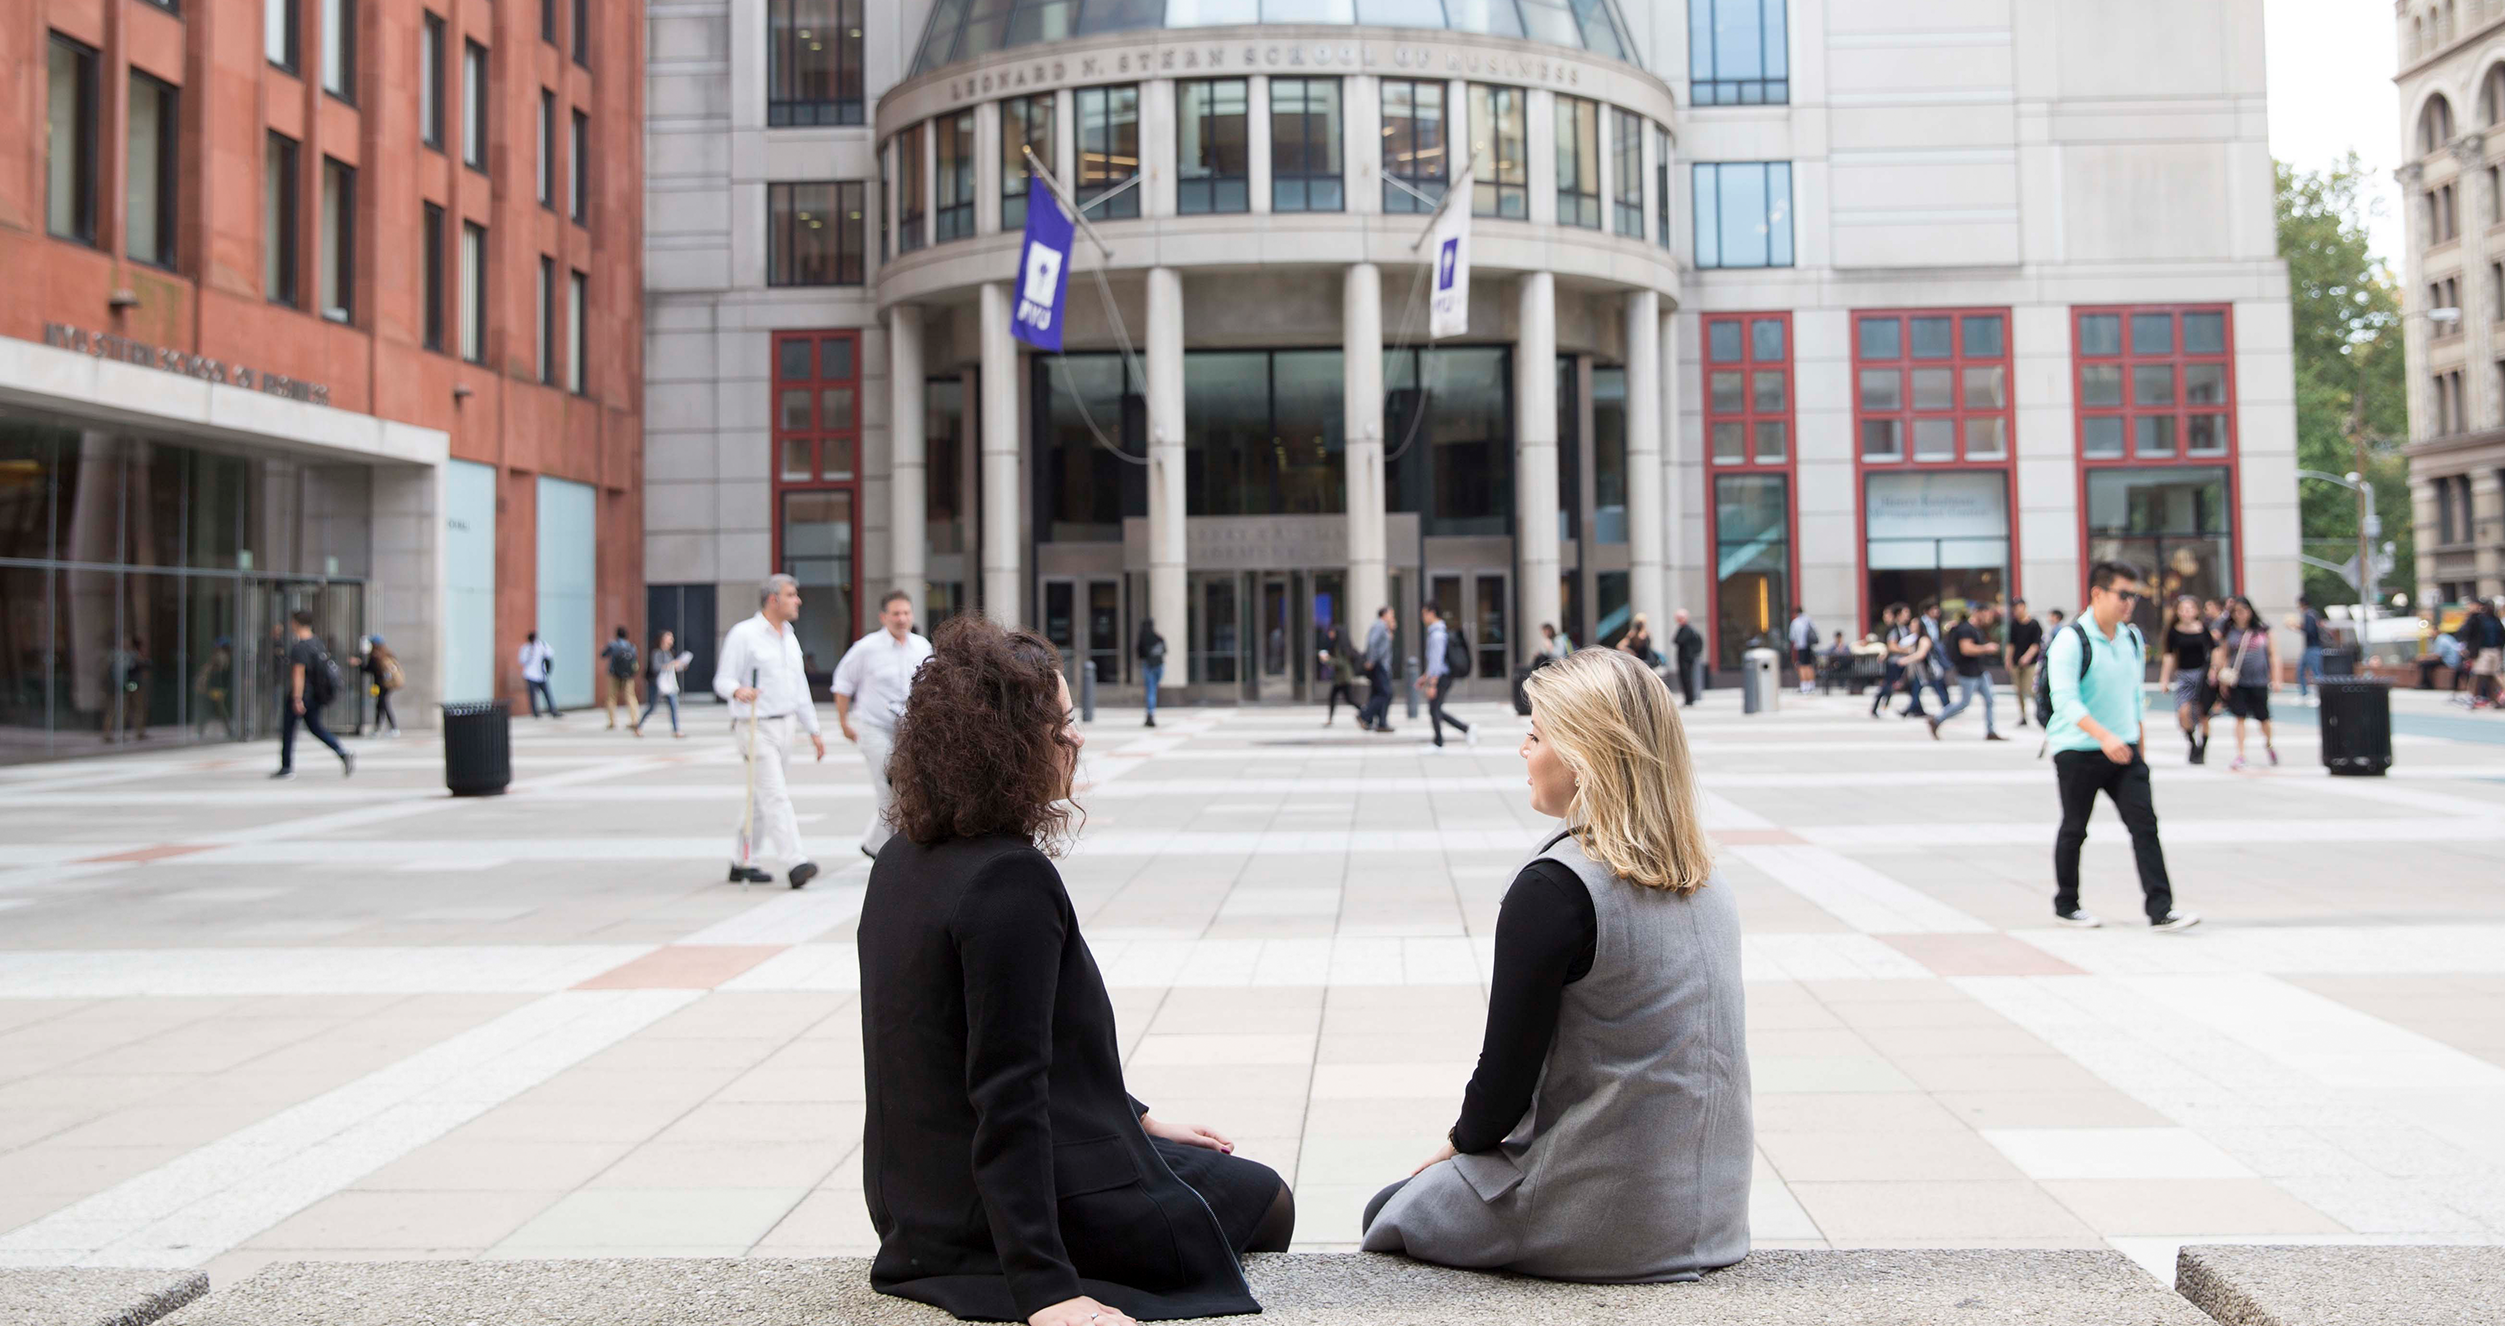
1439, 675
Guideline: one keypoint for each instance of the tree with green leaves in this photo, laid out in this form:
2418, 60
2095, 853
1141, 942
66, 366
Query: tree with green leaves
2350, 371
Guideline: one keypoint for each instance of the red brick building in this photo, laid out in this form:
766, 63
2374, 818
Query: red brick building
312, 302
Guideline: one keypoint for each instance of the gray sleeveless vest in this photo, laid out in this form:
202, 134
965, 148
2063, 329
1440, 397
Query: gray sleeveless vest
1633, 1163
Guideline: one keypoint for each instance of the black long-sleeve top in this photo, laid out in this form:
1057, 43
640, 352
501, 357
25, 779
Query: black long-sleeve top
1545, 935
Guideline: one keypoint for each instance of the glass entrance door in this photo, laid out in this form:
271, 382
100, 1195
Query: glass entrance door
1281, 640
1216, 633
338, 609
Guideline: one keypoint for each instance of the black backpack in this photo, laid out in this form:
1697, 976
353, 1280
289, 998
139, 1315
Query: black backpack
1456, 653
322, 682
621, 659
2087, 655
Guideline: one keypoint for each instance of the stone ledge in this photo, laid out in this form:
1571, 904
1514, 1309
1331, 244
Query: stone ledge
1969, 1287
89, 1296
2313, 1285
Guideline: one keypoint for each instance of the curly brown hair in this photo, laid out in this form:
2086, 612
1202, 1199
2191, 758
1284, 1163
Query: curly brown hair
985, 745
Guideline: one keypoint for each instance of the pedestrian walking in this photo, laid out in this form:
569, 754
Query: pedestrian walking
668, 662
1688, 648
1554, 644
1927, 663
1338, 670
2093, 670
2243, 666
871, 686
215, 685
1011, 1174
382, 673
621, 660
536, 659
2309, 659
1446, 653
1150, 650
1639, 641
313, 681
2483, 634
1970, 654
1376, 716
2185, 671
1897, 637
1606, 1133
761, 672
2026, 652
1804, 637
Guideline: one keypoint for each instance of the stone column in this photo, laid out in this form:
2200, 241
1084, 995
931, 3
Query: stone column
1647, 525
1686, 565
1168, 592
908, 460
1535, 453
1004, 570
1361, 338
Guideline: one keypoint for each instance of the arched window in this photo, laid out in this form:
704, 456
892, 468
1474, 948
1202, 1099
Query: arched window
2435, 126
2492, 95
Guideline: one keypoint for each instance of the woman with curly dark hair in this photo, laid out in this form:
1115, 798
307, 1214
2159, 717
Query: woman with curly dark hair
1008, 1173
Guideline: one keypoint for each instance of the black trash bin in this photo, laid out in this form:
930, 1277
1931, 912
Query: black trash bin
2339, 661
478, 748
2356, 717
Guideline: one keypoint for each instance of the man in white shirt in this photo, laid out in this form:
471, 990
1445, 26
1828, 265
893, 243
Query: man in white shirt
1804, 637
535, 659
761, 673
871, 685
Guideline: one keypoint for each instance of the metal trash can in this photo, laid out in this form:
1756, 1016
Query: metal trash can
478, 748
2339, 661
1760, 680
2356, 718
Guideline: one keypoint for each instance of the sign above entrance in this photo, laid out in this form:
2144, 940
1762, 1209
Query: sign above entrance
123, 350
1270, 543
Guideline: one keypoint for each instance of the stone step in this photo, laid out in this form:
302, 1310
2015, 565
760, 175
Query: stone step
90, 1296
2315, 1285
1967, 1287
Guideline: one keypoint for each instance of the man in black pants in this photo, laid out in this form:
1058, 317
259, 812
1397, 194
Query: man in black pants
308, 689
1686, 646
1376, 716
2095, 671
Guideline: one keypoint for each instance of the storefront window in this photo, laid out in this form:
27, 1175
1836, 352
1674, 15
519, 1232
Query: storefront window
1082, 490
1448, 430
1941, 536
1932, 386
817, 540
1265, 436
2173, 522
1752, 560
1609, 455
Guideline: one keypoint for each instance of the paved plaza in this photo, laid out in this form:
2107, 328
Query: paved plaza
245, 1022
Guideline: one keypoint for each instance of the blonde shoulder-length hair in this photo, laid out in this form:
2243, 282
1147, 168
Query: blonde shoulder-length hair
1635, 807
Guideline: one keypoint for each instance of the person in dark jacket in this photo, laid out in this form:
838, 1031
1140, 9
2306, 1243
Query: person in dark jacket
1009, 1175
1689, 647
1338, 668
1150, 650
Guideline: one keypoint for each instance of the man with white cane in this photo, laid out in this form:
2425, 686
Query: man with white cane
765, 650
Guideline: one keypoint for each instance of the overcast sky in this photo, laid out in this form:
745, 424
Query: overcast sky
2331, 65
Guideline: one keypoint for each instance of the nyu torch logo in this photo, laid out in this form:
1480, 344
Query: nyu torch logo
1035, 293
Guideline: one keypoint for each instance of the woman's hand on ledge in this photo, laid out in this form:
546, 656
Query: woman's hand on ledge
1185, 1135
1080, 1311
1442, 1154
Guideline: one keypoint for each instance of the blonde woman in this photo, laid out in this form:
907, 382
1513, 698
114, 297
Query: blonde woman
1606, 1133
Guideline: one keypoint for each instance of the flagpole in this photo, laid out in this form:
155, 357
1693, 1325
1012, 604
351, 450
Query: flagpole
1440, 204
1069, 204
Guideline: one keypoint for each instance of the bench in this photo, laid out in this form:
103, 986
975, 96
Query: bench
2343, 1286
85, 1296
1967, 1287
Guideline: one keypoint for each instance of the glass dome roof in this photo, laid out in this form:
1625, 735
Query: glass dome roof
965, 29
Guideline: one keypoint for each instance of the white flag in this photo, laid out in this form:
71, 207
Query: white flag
1449, 310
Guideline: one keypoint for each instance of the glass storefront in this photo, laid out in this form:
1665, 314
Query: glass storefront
1752, 561
2173, 523
1940, 535
1083, 490
1454, 465
1264, 433
817, 552
143, 587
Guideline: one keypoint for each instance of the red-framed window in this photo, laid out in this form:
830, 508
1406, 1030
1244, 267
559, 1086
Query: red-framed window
817, 490
2154, 393
1750, 447
1935, 431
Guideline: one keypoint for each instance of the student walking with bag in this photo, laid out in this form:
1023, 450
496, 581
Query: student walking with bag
664, 669
1447, 661
381, 670
313, 681
619, 656
2092, 672
2247, 664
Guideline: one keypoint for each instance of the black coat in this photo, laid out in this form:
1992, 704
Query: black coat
1004, 1164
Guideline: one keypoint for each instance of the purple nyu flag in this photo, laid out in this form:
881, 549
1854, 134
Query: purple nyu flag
1043, 272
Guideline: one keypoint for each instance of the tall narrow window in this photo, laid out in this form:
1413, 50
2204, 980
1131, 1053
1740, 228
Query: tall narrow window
547, 148
473, 292
339, 241
1661, 186
278, 218
1212, 157
70, 141
582, 33
339, 48
814, 233
577, 335
577, 172
548, 21
1414, 145
1304, 145
432, 242
431, 82
1626, 185
1578, 162
1024, 122
909, 196
1108, 125
474, 105
1500, 149
813, 61
1744, 214
281, 22
955, 219
2154, 383
150, 159
547, 314
1738, 53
